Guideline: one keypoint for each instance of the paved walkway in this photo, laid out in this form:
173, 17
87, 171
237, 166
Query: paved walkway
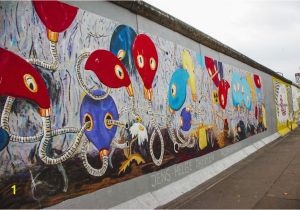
269, 178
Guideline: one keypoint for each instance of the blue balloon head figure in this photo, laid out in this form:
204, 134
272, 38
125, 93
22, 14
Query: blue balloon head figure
97, 112
258, 95
4, 139
247, 98
220, 69
177, 89
236, 90
185, 119
200, 60
121, 44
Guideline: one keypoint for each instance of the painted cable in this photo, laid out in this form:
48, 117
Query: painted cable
51, 66
156, 161
184, 142
6, 111
26, 139
91, 170
38, 137
172, 135
47, 139
117, 145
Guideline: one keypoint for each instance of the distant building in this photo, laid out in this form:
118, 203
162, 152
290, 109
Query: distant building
297, 77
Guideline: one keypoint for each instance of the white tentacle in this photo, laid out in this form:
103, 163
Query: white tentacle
47, 139
185, 143
92, 171
38, 137
156, 161
51, 66
6, 111
117, 145
27, 139
172, 135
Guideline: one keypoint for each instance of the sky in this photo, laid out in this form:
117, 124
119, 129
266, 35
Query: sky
266, 31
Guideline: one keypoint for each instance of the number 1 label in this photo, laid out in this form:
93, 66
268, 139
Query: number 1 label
14, 189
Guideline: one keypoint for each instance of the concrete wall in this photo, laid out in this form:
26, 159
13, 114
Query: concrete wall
128, 171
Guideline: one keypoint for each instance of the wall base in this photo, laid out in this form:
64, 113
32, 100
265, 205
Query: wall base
170, 192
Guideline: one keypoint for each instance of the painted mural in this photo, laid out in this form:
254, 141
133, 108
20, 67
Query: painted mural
86, 103
296, 105
283, 114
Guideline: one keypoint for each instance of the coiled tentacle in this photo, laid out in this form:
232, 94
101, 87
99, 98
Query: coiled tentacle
118, 145
156, 161
47, 139
172, 136
27, 139
132, 109
38, 137
92, 171
81, 82
5, 124
6, 111
185, 143
51, 66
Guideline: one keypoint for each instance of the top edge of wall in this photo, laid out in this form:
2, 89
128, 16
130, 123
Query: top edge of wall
154, 14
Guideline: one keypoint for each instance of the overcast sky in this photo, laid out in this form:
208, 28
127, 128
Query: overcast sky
266, 31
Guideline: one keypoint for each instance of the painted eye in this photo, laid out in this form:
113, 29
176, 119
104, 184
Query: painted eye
234, 87
119, 72
181, 122
219, 76
88, 118
238, 87
121, 54
243, 89
140, 61
152, 64
107, 117
173, 90
30, 83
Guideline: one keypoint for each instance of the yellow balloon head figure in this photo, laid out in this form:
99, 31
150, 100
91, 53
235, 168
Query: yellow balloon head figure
188, 64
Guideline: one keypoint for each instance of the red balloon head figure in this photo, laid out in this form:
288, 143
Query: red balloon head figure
223, 92
19, 79
257, 82
212, 70
109, 70
146, 61
56, 16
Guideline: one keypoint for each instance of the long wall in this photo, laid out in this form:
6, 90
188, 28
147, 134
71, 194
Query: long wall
97, 98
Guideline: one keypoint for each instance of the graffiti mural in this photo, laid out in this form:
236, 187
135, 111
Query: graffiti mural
296, 105
281, 106
113, 104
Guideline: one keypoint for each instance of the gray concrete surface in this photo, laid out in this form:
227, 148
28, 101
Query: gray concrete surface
269, 178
